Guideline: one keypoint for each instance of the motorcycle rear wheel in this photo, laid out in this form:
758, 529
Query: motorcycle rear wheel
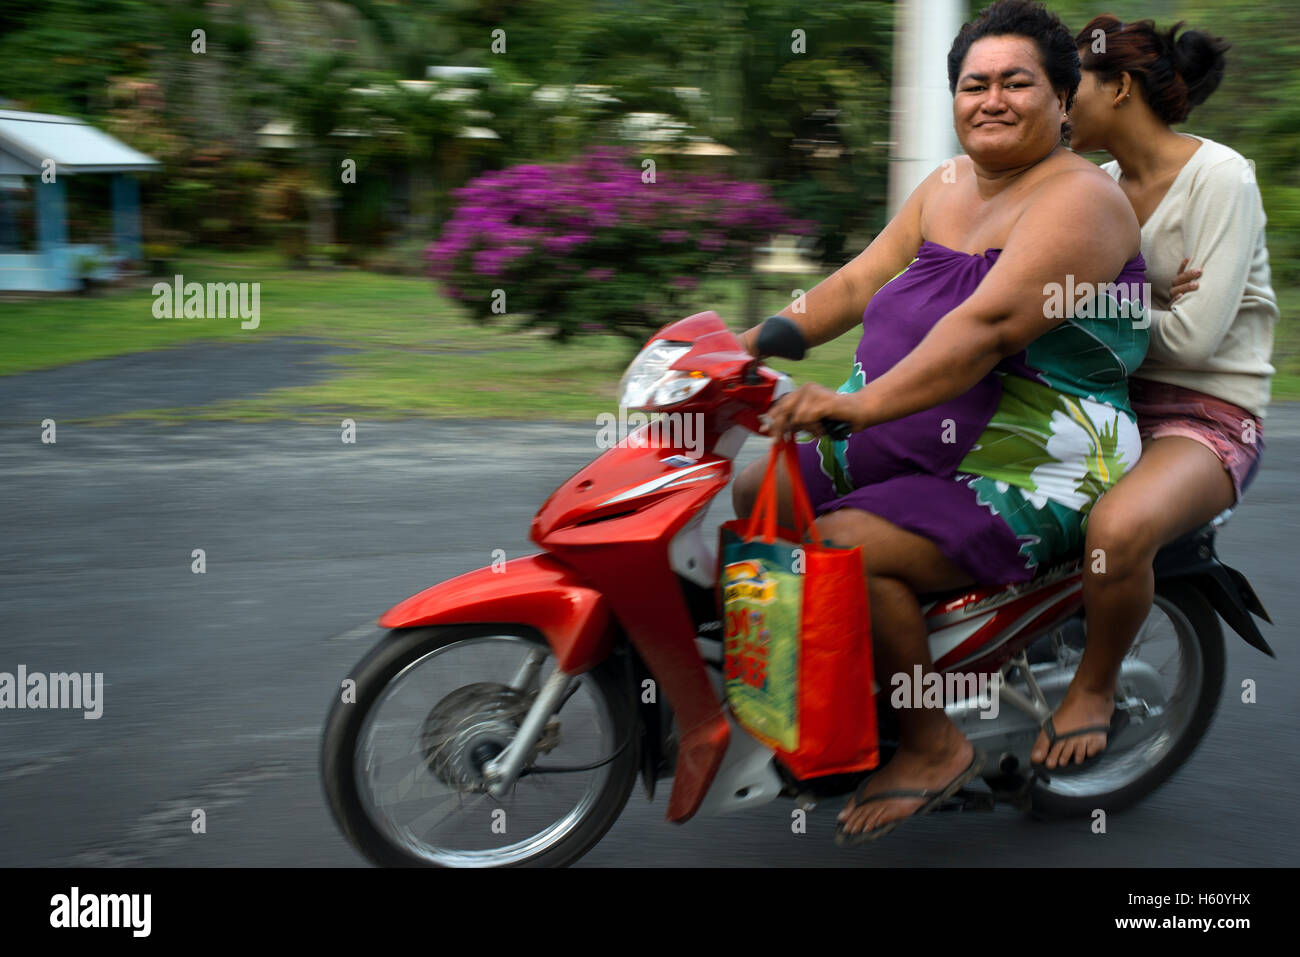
383, 803
1150, 751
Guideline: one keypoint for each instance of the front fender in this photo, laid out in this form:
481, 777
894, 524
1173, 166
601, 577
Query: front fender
537, 590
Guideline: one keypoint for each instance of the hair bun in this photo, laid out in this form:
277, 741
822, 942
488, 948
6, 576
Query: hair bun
1199, 59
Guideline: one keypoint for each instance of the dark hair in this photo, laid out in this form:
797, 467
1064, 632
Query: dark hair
1022, 18
1175, 73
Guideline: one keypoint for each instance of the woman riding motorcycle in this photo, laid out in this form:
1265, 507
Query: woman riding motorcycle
988, 415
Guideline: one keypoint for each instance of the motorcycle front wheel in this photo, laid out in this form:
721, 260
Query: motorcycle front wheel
405, 745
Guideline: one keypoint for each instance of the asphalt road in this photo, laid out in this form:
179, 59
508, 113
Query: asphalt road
216, 685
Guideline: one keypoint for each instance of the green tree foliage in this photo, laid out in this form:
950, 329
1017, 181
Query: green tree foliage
811, 122
800, 92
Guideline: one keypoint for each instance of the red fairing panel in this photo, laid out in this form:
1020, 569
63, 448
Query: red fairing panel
613, 522
536, 590
981, 629
663, 633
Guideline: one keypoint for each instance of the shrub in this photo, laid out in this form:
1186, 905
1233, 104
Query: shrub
588, 246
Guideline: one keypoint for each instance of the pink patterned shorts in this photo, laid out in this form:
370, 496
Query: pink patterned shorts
1225, 429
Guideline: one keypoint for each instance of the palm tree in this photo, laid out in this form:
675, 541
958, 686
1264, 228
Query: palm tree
319, 99
423, 118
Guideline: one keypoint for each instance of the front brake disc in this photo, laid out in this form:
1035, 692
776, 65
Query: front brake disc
471, 726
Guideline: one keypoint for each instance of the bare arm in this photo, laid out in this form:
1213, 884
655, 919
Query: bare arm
835, 305
1070, 229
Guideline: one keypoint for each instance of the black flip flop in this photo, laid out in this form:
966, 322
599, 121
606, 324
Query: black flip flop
1118, 722
932, 800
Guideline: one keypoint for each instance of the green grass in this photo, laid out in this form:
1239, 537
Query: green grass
418, 353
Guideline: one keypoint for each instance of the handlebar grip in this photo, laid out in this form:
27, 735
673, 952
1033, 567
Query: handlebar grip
837, 430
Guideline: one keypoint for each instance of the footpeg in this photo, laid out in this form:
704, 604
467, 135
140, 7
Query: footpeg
1013, 790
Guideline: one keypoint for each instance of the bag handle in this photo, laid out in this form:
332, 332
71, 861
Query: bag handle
802, 504
763, 519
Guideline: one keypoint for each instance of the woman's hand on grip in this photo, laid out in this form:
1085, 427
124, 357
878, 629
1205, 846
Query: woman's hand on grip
804, 409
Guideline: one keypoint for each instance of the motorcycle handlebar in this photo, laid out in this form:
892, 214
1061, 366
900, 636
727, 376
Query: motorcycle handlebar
781, 337
837, 430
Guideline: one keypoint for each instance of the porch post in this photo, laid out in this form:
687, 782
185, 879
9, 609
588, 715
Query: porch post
126, 216
51, 215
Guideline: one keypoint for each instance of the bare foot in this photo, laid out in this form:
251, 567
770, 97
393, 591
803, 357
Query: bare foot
933, 769
1079, 709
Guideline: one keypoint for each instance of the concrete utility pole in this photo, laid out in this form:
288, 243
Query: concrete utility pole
922, 106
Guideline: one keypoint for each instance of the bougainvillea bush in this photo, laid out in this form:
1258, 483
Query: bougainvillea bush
591, 246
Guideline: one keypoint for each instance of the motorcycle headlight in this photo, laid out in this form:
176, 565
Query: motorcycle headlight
649, 383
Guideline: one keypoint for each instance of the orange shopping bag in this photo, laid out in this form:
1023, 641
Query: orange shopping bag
797, 635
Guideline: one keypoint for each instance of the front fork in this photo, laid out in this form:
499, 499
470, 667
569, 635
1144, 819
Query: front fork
527, 673
502, 772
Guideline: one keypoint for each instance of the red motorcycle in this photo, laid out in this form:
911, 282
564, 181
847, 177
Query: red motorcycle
505, 715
